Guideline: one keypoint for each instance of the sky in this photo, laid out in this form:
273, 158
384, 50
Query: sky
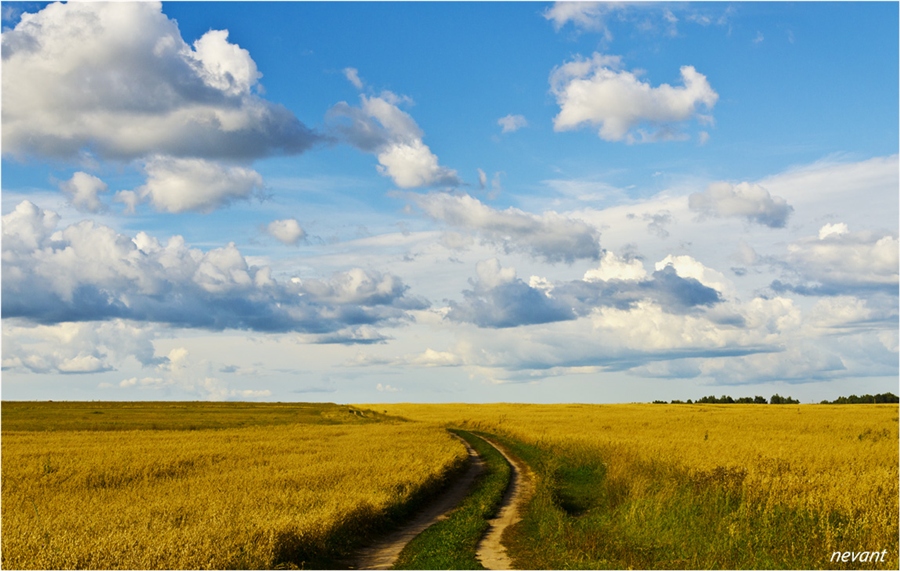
449, 202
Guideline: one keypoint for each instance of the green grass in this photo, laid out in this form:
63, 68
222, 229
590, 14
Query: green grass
80, 415
579, 519
452, 543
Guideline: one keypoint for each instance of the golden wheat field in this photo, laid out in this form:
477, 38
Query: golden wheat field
252, 497
835, 463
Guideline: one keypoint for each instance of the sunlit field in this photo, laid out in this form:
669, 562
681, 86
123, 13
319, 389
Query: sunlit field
238, 485
300, 486
682, 486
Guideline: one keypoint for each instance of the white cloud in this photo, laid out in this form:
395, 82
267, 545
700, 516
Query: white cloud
286, 231
584, 15
83, 190
117, 80
613, 267
76, 347
89, 272
512, 123
551, 236
750, 201
225, 66
688, 267
379, 126
180, 185
352, 75
833, 230
838, 261
595, 92
482, 179
386, 388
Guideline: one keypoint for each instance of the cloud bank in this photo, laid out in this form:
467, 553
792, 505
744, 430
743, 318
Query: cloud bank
89, 272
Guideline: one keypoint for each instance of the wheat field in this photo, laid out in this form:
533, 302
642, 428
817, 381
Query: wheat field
255, 497
785, 486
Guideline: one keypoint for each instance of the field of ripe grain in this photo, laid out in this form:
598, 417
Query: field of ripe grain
279, 493
697, 486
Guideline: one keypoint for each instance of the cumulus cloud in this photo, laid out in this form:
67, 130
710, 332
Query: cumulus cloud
612, 267
286, 231
180, 185
117, 80
597, 92
745, 200
551, 236
89, 272
838, 261
76, 347
499, 299
380, 127
83, 190
512, 123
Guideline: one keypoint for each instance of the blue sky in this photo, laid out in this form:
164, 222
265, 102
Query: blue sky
366, 202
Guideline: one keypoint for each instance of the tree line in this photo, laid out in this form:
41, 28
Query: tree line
725, 399
885, 398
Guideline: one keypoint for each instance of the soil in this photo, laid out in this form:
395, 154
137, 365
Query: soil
491, 553
384, 553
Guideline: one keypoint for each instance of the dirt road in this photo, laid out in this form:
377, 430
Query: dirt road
490, 551
383, 554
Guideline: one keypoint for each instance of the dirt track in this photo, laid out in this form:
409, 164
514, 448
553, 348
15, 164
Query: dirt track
491, 553
383, 554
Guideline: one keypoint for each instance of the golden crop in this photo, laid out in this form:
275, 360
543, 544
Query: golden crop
836, 462
233, 498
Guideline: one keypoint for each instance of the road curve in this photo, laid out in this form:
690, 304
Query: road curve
384, 553
491, 552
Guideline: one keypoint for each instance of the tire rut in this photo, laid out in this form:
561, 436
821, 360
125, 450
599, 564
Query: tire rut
491, 551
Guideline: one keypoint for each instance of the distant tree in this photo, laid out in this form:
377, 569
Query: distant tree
689, 401
659, 402
778, 399
760, 400
744, 400
883, 398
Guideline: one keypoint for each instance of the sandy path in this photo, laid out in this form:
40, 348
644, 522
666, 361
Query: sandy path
383, 554
491, 552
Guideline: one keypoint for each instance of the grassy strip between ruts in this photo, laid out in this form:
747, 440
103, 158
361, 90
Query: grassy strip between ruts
452, 543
